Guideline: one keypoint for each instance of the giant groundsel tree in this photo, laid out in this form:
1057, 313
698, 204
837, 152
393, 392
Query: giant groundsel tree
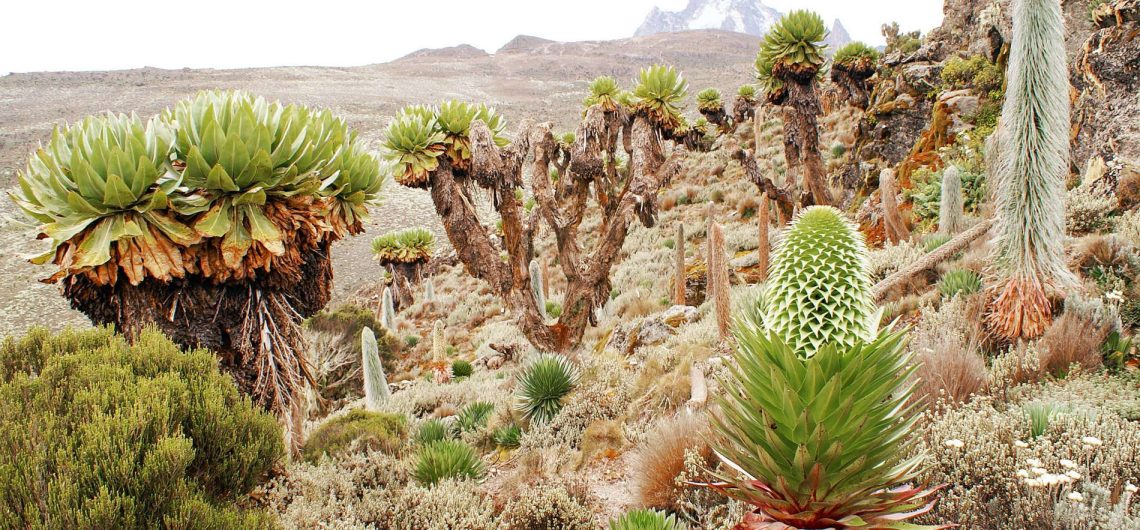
788, 67
614, 160
1028, 256
204, 221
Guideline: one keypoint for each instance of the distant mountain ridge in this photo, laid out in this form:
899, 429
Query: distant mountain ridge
741, 16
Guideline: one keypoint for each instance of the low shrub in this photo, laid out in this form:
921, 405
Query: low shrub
99, 433
358, 430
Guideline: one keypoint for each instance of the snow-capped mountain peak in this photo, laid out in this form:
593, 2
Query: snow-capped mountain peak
742, 16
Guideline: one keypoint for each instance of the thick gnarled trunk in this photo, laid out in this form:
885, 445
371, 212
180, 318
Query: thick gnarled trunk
801, 139
253, 326
583, 168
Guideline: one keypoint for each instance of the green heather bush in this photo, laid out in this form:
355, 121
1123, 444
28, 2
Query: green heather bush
447, 459
926, 192
646, 520
542, 385
97, 433
359, 430
977, 73
959, 281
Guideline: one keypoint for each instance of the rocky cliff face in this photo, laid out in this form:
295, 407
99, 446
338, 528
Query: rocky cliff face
837, 37
1106, 76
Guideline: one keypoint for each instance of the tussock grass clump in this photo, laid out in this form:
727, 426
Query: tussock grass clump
447, 459
661, 459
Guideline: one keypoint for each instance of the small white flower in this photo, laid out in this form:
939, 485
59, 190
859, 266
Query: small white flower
1068, 463
1076, 496
1020, 444
954, 442
1034, 462
1073, 475
1032, 482
1092, 441
1114, 296
1130, 487
1022, 473
1039, 471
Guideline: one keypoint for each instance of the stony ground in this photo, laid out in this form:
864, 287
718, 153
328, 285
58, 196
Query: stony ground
527, 78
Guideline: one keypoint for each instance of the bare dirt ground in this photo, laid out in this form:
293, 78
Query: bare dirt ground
529, 77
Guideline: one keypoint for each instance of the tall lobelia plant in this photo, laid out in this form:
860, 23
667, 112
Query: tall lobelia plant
951, 218
376, 391
1028, 257
816, 409
212, 221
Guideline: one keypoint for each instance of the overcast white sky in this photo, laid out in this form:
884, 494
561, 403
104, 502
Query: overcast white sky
50, 35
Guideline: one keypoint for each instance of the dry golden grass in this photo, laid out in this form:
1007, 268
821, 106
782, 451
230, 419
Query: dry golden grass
1075, 338
661, 459
954, 372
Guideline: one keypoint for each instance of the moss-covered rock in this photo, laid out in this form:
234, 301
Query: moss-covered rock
355, 431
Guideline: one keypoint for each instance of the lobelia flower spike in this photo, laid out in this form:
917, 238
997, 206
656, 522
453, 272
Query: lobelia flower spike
376, 391
1028, 257
818, 290
950, 216
536, 283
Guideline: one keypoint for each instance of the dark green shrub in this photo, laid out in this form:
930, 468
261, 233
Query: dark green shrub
925, 193
359, 430
97, 433
447, 459
411, 341
461, 368
976, 73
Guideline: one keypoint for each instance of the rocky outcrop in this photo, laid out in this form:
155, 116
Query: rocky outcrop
1106, 78
650, 330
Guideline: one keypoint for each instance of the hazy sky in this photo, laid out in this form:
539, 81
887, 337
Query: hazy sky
48, 35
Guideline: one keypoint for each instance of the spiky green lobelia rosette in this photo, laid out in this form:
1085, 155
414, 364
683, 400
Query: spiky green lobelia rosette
817, 290
815, 413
